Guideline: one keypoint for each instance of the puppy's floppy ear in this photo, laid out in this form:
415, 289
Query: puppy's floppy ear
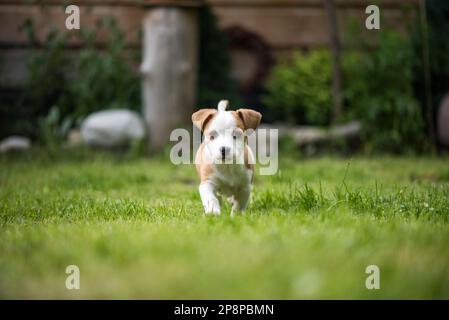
251, 119
201, 117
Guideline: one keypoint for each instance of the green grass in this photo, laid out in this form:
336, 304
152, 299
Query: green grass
136, 229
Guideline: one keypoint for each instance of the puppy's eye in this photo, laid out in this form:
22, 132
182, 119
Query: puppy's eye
236, 135
212, 135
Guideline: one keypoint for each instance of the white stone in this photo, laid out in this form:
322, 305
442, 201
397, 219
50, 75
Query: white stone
112, 128
15, 143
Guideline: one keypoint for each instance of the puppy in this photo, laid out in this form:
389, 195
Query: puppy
224, 162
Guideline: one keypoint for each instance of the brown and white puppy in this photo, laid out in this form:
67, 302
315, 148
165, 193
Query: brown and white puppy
224, 162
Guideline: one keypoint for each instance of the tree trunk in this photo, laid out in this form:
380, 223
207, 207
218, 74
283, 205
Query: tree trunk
169, 71
426, 67
334, 41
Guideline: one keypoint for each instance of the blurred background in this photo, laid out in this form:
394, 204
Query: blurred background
135, 70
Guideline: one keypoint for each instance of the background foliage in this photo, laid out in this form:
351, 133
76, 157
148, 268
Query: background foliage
378, 91
438, 42
384, 98
214, 81
383, 86
61, 89
108, 79
299, 89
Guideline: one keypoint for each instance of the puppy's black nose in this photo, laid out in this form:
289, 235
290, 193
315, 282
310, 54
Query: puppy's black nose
224, 151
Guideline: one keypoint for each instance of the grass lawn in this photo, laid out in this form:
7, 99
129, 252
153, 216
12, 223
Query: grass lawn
136, 229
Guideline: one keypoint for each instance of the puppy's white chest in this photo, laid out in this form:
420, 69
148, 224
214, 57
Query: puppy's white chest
231, 178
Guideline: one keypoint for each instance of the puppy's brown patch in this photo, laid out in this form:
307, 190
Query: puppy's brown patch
238, 120
203, 169
247, 164
250, 118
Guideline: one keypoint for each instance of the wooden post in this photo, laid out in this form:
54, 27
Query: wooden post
169, 67
334, 41
427, 76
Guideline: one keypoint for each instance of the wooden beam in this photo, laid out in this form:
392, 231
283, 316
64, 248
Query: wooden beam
172, 3
341, 4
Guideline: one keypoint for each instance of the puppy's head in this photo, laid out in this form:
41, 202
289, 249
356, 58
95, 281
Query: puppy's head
224, 131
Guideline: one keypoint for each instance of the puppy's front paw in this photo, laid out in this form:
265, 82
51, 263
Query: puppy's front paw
212, 206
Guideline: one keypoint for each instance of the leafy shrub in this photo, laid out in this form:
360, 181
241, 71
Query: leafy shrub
378, 90
72, 86
391, 116
300, 89
52, 130
105, 79
46, 84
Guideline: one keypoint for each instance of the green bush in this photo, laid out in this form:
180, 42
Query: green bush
46, 85
378, 90
385, 102
105, 79
52, 130
299, 89
72, 86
